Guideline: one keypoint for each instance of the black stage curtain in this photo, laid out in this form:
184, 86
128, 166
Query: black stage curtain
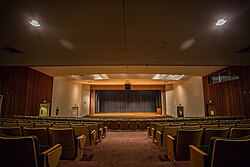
127, 100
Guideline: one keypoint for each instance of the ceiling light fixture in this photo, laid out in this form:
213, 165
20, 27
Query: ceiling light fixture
220, 22
34, 23
100, 76
168, 77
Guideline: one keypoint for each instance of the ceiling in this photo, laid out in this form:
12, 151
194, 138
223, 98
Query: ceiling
138, 75
97, 34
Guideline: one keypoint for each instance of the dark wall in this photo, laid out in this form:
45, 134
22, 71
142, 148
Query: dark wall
127, 100
231, 98
23, 90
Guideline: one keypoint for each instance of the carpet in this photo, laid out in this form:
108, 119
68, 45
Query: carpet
125, 149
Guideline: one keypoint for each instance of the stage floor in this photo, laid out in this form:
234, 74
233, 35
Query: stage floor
128, 115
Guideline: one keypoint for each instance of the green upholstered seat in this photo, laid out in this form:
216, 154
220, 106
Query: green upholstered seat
222, 152
26, 151
72, 147
178, 149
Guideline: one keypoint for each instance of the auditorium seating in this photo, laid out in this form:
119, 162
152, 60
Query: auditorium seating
114, 125
82, 130
162, 136
41, 133
25, 124
142, 125
133, 125
214, 132
123, 125
24, 151
42, 125
72, 145
223, 152
11, 131
239, 132
178, 148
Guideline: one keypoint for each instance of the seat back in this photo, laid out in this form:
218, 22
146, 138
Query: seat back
142, 125
65, 137
214, 132
82, 130
25, 124
133, 125
191, 126
231, 152
243, 125
114, 125
123, 125
169, 130
42, 125
239, 132
11, 131
41, 134
9, 124
18, 151
186, 137
209, 126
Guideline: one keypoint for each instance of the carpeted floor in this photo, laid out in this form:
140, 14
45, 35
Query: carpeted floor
125, 149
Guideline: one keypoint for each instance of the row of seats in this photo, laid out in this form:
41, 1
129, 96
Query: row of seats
98, 131
72, 143
124, 125
94, 119
220, 152
158, 131
26, 151
177, 146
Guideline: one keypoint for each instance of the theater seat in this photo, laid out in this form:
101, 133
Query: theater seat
23, 151
178, 148
72, 145
41, 133
214, 132
239, 132
223, 152
11, 131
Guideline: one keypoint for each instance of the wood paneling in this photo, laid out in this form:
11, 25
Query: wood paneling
133, 87
23, 89
229, 96
92, 102
244, 73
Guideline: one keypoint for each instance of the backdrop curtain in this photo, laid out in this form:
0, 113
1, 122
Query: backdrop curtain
127, 100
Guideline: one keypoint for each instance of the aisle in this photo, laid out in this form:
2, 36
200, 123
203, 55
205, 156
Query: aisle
125, 149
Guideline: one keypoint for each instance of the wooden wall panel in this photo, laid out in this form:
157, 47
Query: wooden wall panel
92, 102
229, 96
23, 89
244, 72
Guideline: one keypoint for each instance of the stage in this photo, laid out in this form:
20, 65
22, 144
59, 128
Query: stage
139, 115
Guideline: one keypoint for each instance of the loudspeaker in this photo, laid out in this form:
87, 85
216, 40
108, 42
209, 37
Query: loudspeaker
127, 86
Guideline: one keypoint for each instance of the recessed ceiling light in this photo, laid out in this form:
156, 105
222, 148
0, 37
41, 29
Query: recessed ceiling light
220, 22
34, 23
187, 44
168, 77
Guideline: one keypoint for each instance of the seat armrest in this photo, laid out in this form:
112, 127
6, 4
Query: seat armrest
81, 141
93, 138
79, 147
159, 138
152, 130
197, 157
171, 147
52, 156
159, 132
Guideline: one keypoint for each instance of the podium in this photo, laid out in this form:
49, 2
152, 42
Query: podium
44, 110
180, 111
210, 109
